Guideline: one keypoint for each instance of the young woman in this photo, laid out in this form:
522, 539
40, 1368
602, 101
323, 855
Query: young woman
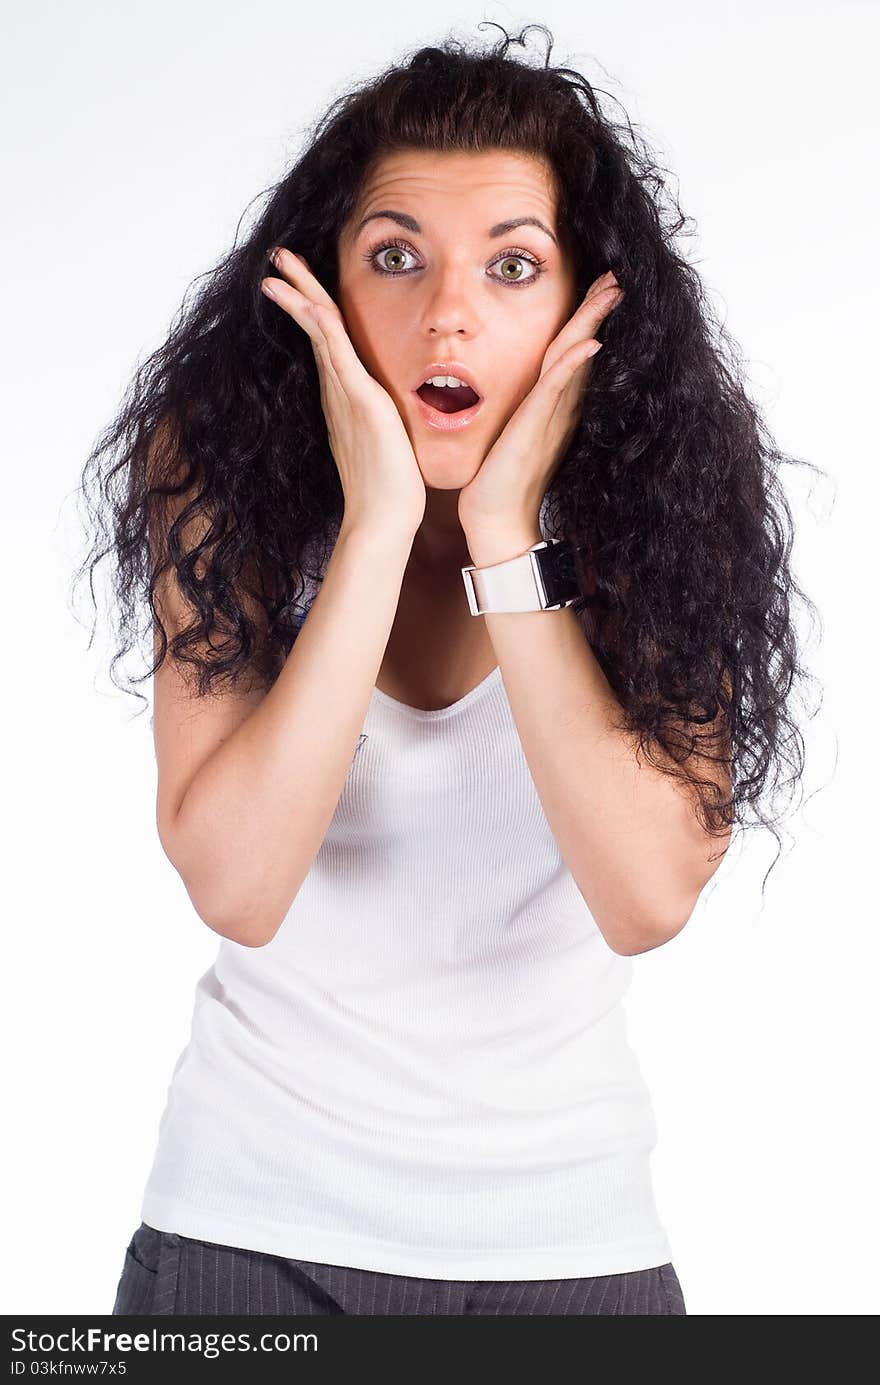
459, 689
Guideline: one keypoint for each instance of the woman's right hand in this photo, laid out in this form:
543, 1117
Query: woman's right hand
381, 481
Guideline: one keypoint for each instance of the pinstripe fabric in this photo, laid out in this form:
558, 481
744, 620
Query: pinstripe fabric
165, 1273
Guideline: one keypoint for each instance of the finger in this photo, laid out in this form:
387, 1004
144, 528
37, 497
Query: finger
599, 302
551, 391
565, 366
583, 352
294, 269
563, 406
330, 340
324, 311
345, 360
302, 310
298, 289
603, 297
318, 310
294, 302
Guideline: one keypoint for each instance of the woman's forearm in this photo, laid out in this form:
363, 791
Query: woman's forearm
627, 831
253, 818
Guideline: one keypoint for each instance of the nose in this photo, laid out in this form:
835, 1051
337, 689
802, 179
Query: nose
450, 308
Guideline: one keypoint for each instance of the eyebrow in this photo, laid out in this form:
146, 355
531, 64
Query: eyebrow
410, 224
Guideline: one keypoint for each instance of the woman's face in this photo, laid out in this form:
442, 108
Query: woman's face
452, 290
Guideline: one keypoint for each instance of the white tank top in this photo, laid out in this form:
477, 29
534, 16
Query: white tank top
426, 1071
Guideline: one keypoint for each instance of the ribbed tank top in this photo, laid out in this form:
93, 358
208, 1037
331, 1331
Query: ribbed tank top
427, 1070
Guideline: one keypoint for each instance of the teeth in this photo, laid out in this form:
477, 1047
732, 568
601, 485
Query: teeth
442, 380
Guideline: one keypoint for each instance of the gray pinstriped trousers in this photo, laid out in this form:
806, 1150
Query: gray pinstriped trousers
165, 1273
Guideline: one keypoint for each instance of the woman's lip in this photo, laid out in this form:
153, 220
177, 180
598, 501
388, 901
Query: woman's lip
446, 423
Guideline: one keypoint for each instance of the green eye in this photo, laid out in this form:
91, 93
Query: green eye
372, 257
509, 259
398, 249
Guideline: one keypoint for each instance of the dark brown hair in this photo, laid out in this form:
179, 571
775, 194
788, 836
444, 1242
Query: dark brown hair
670, 482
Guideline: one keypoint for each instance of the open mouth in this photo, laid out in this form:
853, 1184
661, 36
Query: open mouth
448, 399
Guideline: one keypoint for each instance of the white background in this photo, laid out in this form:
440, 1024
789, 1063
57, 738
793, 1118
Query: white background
134, 136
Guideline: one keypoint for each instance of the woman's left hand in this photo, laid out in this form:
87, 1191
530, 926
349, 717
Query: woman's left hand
505, 497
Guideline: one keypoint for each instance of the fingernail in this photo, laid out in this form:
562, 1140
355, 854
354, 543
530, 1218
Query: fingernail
275, 256
268, 290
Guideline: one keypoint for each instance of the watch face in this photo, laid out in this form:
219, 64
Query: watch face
557, 564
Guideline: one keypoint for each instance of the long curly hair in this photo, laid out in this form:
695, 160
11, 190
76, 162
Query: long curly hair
670, 482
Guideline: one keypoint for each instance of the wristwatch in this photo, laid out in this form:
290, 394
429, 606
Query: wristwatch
541, 579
